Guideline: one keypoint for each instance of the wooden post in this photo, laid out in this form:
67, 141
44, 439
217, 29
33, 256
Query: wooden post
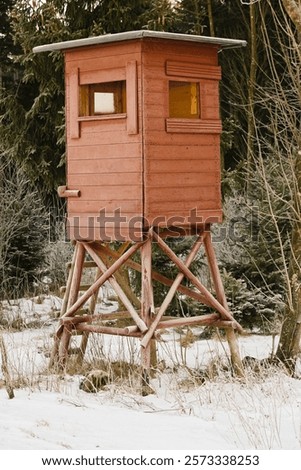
220, 293
74, 289
69, 281
147, 310
55, 349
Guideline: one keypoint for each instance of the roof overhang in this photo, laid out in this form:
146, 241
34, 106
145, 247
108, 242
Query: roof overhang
223, 43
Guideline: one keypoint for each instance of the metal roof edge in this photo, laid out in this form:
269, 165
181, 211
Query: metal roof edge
130, 35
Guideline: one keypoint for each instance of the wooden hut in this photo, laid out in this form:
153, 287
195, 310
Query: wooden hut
143, 162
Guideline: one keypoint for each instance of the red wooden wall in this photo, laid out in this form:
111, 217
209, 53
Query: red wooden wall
104, 153
181, 156
142, 163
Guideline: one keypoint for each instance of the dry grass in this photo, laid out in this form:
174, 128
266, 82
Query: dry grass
205, 387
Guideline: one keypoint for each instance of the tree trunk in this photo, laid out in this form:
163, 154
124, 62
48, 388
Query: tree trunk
251, 86
210, 17
289, 343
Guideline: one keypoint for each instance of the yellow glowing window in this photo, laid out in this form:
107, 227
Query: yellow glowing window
103, 98
184, 100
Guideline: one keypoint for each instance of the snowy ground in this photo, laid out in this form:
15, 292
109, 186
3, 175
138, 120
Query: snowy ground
51, 412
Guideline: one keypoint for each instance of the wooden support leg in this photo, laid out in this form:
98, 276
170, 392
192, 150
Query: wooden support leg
69, 282
147, 307
55, 349
74, 289
220, 294
82, 348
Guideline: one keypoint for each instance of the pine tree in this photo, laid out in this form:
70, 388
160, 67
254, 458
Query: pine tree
161, 16
191, 17
32, 111
7, 47
23, 230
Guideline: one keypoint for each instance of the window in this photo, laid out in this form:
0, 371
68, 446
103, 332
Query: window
184, 100
103, 98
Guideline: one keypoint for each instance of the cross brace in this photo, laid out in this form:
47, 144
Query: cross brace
147, 320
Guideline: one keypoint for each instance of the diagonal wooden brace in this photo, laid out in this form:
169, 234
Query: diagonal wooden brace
119, 275
148, 336
225, 314
102, 279
139, 322
157, 276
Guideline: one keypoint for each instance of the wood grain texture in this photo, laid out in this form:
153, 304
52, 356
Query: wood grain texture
126, 206
123, 164
88, 228
107, 151
193, 70
72, 122
132, 97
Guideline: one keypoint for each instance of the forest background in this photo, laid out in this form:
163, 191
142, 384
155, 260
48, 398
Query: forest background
259, 243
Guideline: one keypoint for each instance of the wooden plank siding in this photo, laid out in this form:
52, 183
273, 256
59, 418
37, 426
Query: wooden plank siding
105, 161
181, 167
142, 166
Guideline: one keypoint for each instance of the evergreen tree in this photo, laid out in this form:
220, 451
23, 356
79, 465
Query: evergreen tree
161, 16
32, 111
191, 17
23, 231
31, 129
7, 47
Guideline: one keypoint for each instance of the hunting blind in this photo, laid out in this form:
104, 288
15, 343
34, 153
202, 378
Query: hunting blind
143, 164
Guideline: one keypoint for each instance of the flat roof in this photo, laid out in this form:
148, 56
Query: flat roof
117, 37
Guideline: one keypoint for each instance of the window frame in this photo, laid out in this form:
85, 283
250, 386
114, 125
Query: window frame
87, 98
204, 75
78, 77
198, 99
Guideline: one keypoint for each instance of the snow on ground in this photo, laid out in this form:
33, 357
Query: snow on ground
51, 412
